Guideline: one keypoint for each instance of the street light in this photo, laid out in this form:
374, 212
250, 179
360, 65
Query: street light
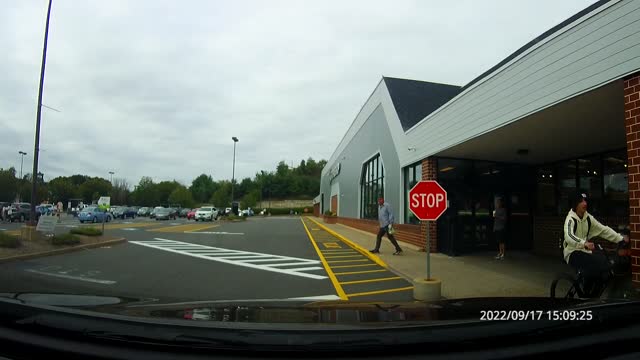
111, 176
34, 194
233, 173
21, 161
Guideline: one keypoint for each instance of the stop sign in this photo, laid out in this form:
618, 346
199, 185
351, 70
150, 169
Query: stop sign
427, 200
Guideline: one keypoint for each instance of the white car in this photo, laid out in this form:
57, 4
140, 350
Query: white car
207, 213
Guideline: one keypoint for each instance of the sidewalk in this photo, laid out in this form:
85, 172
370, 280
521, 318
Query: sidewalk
475, 275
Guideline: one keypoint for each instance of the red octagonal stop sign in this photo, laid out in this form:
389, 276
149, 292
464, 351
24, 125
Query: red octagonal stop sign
427, 200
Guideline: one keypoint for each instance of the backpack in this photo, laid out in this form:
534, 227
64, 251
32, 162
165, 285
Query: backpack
575, 227
563, 244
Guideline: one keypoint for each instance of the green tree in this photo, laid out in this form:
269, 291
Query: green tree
93, 188
120, 192
8, 184
146, 193
62, 189
202, 188
250, 199
222, 196
182, 196
165, 188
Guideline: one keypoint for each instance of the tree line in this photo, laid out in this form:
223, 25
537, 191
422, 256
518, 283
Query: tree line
299, 182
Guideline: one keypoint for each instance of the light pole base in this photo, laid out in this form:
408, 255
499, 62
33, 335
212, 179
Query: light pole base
427, 289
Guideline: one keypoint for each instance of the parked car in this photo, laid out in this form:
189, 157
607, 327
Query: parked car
183, 213
124, 212
246, 212
20, 212
207, 213
152, 214
94, 214
165, 214
143, 211
175, 212
192, 214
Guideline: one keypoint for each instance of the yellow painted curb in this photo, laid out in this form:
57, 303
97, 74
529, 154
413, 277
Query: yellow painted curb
355, 246
332, 276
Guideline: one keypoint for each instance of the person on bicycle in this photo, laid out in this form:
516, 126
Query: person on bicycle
579, 228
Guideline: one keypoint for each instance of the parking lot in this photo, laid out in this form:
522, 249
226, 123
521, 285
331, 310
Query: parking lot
262, 258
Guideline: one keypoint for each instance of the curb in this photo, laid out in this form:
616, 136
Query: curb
62, 251
355, 246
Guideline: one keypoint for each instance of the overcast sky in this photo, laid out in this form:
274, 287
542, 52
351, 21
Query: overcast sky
158, 88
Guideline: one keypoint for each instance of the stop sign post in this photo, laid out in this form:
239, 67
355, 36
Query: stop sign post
428, 201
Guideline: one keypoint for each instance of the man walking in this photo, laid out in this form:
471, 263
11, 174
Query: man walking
385, 217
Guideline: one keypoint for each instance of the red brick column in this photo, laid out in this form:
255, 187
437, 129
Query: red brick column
632, 126
429, 172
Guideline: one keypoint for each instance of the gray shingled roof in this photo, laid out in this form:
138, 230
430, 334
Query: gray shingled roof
414, 100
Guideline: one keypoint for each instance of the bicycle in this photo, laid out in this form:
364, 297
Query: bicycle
572, 286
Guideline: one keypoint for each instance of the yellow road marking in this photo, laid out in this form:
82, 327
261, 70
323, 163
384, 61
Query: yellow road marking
347, 256
179, 228
342, 261
202, 228
333, 278
370, 280
381, 291
119, 226
355, 246
12, 232
359, 272
350, 266
339, 251
331, 245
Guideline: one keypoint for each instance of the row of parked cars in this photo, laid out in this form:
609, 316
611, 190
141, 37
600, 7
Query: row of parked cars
21, 211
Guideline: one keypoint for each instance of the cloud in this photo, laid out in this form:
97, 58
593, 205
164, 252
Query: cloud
158, 88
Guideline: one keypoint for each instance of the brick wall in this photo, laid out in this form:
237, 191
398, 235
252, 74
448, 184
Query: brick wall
632, 126
316, 210
404, 232
547, 230
430, 172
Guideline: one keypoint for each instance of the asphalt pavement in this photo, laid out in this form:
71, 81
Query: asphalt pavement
274, 258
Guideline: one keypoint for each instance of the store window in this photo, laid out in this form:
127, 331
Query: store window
371, 187
590, 181
412, 174
615, 200
545, 191
456, 177
566, 171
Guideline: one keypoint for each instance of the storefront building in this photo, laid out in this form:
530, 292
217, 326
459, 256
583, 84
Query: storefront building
560, 114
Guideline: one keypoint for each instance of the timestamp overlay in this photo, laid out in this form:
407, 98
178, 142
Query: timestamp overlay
528, 315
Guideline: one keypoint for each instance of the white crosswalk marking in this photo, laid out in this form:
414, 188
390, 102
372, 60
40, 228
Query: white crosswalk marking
260, 261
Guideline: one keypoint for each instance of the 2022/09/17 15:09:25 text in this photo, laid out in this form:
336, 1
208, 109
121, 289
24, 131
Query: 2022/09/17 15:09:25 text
523, 315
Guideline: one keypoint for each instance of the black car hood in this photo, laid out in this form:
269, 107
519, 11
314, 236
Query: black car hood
305, 312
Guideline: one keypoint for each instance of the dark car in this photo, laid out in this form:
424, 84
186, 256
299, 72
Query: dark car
183, 213
165, 214
128, 212
175, 212
20, 212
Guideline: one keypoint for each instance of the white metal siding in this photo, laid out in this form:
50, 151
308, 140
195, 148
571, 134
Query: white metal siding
598, 50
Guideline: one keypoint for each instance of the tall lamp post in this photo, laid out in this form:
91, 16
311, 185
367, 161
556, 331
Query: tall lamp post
233, 173
22, 154
34, 193
111, 176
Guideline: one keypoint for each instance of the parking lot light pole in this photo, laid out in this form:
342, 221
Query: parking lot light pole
34, 193
233, 172
22, 154
111, 176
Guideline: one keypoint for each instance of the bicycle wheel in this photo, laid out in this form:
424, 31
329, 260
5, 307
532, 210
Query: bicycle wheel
564, 287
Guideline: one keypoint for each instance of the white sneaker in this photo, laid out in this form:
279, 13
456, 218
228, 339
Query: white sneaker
498, 257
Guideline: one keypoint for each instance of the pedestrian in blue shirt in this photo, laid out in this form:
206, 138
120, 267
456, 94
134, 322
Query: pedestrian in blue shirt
386, 219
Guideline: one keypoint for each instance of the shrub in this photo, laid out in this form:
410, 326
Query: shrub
88, 231
9, 241
234, 217
65, 239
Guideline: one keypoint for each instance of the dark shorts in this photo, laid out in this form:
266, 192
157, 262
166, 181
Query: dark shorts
500, 236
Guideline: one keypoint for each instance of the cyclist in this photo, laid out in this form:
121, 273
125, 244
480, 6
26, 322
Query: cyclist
579, 228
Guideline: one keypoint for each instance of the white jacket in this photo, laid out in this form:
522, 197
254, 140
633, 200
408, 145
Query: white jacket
575, 241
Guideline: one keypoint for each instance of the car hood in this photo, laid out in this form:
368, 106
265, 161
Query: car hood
307, 311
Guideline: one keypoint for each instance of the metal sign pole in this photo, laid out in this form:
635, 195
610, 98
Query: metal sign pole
428, 252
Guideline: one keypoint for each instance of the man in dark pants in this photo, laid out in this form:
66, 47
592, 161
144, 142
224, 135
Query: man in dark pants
385, 217
579, 228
